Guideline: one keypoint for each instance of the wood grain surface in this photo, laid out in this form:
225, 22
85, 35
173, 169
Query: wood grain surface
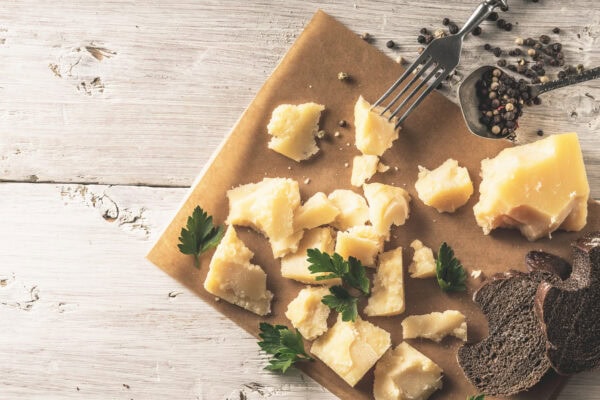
108, 110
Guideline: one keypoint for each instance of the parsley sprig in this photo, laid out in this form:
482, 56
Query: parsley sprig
476, 397
451, 275
351, 272
285, 345
199, 235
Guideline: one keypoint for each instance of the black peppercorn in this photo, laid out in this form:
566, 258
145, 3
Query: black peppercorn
390, 44
540, 132
497, 51
501, 23
476, 31
501, 62
453, 28
512, 67
493, 16
446, 21
537, 101
545, 39
529, 42
342, 123
556, 30
421, 39
508, 27
487, 46
428, 39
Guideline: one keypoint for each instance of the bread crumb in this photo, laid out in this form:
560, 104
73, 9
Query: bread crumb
476, 274
346, 165
307, 181
337, 134
400, 60
289, 168
396, 168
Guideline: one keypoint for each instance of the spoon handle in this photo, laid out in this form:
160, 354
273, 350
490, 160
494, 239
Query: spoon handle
586, 75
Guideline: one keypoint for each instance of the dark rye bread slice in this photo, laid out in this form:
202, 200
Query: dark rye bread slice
512, 358
570, 311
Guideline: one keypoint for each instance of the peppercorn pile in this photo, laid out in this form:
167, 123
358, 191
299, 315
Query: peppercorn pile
501, 99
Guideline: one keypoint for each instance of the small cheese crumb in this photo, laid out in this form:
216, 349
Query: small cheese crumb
307, 181
476, 274
337, 134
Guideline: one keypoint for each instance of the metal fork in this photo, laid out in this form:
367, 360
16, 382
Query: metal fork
440, 58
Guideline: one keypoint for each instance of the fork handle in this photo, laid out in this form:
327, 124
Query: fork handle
483, 10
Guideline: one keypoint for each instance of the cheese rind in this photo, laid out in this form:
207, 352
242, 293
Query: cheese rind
293, 129
352, 206
404, 373
363, 168
537, 188
295, 265
388, 205
234, 279
387, 296
307, 313
316, 211
435, 326
350, 349
423, 262
374, 133
268, 207
361, 242
445, 188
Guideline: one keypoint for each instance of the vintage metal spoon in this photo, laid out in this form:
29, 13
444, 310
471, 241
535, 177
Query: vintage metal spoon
467, 96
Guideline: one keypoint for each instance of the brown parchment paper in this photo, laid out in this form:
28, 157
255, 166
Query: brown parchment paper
432, 134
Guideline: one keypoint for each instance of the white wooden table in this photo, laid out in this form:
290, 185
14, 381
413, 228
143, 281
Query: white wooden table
108, 110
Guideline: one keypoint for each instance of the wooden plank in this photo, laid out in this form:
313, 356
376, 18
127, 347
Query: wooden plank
83, 309
113, 92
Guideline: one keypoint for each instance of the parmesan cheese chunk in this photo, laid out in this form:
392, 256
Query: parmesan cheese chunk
404, 373
350, 349
374, 133
295, 265
316, 211
445, 188
268, 206
361, 242
307, 313
388, 205
294, 129
387, 297
537, 188
234, 279
363, 168
352, 206
423, 262
435, 326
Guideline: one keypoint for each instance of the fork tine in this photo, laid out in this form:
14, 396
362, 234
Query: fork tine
414, 91
406, 73
408, 85
420, 99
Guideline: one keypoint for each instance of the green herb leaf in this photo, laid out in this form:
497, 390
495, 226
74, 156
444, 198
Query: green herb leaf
285, 345
199, 235
451, 275
343, 302
352, 272
476, 397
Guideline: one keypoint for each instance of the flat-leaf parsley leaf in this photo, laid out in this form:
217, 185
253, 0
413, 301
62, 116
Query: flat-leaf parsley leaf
352, 272
343, 302
199, 235
285, 345
477, 397
451, 275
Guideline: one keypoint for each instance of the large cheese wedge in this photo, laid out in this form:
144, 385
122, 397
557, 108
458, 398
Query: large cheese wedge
387, 296
374, 133
307, 313
352, 206
361, 242
435, 326
268, 206
351, 348
294, 129
295, 265
404, 373
388, 205
234, 279
537, 188
363, 168
445, 188
316, 211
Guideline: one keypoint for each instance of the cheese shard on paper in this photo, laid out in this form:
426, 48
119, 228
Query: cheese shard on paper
423, 262
404, 373
307, 313
537, 188
374, 133
353, 209
363, 168
316, 211
293, 129
435, 326
361, 242
234, 279
388, 205
295, 265
387, 297
445, 188
350, 349
268, 207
